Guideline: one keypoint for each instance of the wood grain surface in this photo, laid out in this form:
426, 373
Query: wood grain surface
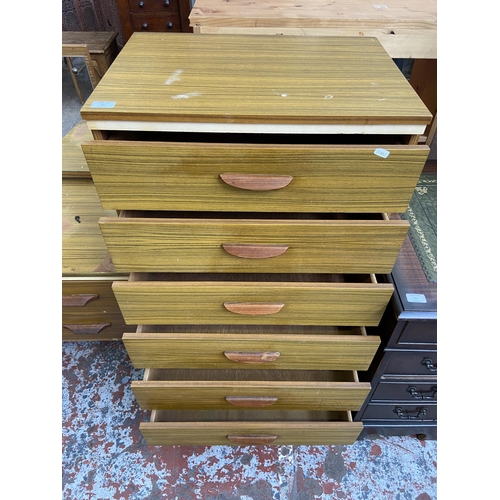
83, 249
306, 303
405, 29
283, 427
332, 350
289, 389
165, 244
143, 175
183, 77
73, 159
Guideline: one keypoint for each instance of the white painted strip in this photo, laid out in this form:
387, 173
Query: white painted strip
257, 128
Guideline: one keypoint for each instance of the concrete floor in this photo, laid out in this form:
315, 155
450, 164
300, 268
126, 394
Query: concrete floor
105, 457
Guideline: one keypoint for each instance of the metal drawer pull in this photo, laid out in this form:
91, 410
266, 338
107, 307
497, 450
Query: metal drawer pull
78, 300
421, 394
254, 308
406, 415
87, 329
251, 357
251, 401
256, 182
429, 365
251, 438
249, 251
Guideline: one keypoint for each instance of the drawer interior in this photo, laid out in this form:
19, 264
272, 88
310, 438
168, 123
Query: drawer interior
353, 331
257, 277
249, 416
166, 374
273, 216
260, 138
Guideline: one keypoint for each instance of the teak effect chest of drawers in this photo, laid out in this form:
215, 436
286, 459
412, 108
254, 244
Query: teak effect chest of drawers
89, 307
252, 177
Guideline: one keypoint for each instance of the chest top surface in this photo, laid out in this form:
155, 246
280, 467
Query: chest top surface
183, 77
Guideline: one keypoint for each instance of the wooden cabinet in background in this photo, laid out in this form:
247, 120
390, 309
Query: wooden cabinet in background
154, 15
403, 374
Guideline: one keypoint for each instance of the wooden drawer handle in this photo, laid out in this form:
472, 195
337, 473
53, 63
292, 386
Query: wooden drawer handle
251, 357
249, 251
87, 329
249, 401
254, 308
256, 182
78, 300
251, 438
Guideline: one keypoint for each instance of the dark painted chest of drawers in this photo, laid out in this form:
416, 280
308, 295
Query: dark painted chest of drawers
403, 399
154, 15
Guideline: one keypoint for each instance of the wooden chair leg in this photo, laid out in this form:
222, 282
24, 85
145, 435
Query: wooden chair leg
73, 77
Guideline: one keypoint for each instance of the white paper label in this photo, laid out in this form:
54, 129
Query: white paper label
416, 297
103, 104
382, 152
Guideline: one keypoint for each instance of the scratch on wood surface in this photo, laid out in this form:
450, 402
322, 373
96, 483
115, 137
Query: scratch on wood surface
186, 96
174, 77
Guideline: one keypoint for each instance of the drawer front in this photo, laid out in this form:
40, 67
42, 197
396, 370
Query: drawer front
90, 311
232, 245
139, 6
308, 428
418, 332
85, 331
253, 178
259, 395
251, 351
406, 413
156, 22
84, 251
255, 303
405, 391
419, 363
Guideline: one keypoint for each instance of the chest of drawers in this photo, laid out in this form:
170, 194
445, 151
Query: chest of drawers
154, 15
89, 307
403, 399
252, 177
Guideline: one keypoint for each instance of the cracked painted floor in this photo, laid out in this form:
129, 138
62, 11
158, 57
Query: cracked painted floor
104, 455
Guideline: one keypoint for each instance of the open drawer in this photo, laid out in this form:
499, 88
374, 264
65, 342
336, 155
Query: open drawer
256, 299
251, 348
258, 172
250, 427
264, 243
189, 389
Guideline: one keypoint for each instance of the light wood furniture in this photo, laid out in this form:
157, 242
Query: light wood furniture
89, 307
101, 45
167, 16
406, 30
79, 50
252, 176
98, 49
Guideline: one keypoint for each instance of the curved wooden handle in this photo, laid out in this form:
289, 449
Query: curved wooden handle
251, 357
256, 182
250, 401
87, 329
78, 300
254, 308
251, 438
251, 251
